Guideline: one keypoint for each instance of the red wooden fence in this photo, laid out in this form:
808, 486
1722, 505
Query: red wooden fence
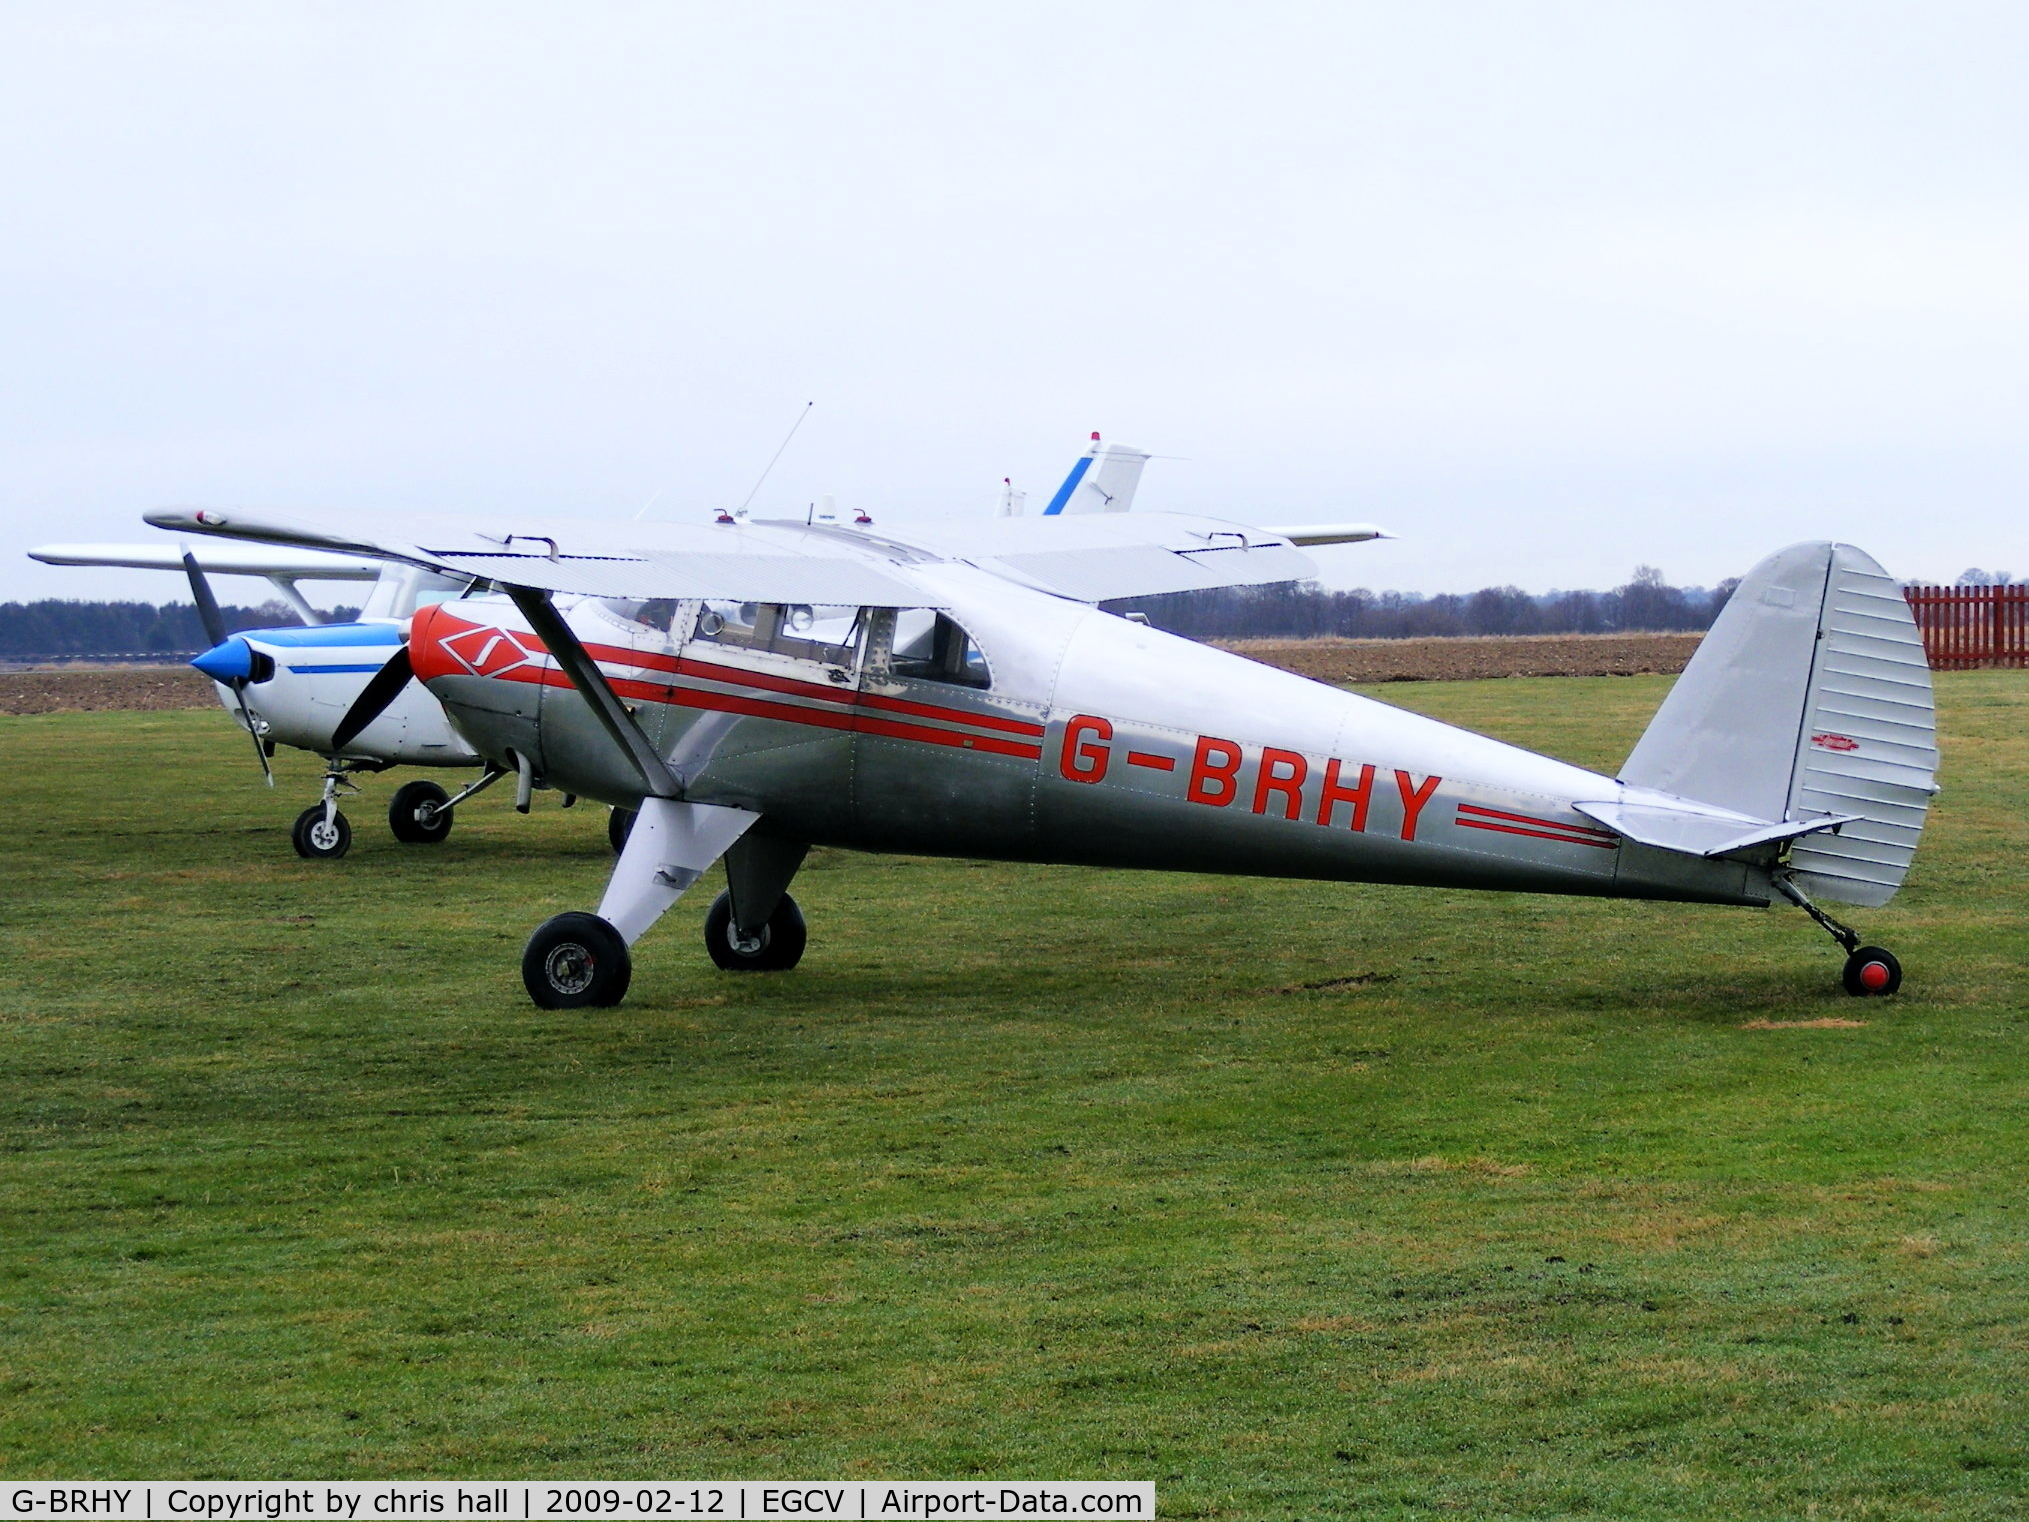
1969, 627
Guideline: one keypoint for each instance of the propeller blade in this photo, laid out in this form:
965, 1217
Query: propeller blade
386, 686
207, 605
239, 692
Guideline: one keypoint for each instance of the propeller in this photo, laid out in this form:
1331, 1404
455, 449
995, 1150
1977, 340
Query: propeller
207, 605
386, 686
214, 630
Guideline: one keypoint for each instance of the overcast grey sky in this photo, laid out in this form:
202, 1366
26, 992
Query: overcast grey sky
1548, 289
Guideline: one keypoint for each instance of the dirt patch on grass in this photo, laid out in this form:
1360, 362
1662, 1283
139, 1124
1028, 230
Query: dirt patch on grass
1830, 1023
104, 689
1464, 660
1330, 985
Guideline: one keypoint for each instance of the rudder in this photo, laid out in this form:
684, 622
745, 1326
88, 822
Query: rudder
1809, 697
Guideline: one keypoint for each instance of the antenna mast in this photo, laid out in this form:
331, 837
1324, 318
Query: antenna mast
741, 510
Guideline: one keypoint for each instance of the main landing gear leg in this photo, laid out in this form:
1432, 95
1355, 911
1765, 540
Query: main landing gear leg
420, 813
576, 960
1869, 970
755, 926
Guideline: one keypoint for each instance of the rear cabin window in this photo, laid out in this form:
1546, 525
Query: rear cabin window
931, 648
807, 631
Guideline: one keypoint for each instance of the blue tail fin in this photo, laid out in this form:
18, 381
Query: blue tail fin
1103, 481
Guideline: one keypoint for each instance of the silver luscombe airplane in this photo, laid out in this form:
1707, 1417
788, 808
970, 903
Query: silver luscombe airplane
756, 688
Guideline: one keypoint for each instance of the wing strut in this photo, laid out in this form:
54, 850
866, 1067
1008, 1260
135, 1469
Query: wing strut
593, 687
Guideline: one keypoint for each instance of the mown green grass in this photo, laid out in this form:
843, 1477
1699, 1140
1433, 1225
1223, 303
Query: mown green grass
1025, 1172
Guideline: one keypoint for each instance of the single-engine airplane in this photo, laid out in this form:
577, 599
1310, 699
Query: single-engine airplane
300, 687
949, 688
295, 686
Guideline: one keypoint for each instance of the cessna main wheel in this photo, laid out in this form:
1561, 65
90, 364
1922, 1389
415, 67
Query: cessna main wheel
777, 948
318, 839
619, 825
417, 814
576, 961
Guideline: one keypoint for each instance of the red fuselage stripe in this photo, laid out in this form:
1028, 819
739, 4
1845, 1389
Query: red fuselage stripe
794, 713
954, 715
1509, 829
1547, 824
648, 660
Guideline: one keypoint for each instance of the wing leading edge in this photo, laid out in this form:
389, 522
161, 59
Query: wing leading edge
1085, 558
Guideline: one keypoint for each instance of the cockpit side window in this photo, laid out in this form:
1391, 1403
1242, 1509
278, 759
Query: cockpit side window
929, 647
651, 613
806, 631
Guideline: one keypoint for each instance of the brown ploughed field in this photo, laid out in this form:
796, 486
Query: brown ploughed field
99, 689
1471, 659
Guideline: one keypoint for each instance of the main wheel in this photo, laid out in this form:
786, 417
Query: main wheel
619, 825
417, 814
317, 840
1872, 971
576, 961
777, 948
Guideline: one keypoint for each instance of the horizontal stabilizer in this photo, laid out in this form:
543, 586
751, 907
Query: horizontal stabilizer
1672, 826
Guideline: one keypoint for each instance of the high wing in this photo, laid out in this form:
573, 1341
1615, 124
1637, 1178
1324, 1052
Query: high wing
1088, 558
214, 559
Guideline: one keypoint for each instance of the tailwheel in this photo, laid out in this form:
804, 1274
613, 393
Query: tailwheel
417, 814
1872, 971
776, 947
576, 961
321, 834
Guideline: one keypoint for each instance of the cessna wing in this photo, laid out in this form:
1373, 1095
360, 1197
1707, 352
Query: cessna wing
1088, 558
214, 559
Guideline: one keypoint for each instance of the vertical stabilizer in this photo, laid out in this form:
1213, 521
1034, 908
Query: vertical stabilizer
1809, 697
1103, 481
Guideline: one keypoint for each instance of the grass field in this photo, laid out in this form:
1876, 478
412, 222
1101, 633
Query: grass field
1300, 1200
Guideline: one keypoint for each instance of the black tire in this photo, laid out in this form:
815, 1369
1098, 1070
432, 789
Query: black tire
406, 810
576, 961
313, 842
619, 825
778, 948
1872, 972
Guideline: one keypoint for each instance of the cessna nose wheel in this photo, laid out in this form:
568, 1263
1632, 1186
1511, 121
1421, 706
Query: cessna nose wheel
776, 947
320, 834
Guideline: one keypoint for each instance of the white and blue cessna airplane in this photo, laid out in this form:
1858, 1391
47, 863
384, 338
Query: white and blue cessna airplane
755, 688
296, 686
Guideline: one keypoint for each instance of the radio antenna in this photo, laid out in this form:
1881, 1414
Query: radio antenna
741, 510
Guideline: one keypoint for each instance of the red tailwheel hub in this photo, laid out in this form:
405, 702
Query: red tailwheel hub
1871, 971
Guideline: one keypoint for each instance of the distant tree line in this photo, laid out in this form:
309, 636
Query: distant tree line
1303, 610
1290, 610
52, 628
